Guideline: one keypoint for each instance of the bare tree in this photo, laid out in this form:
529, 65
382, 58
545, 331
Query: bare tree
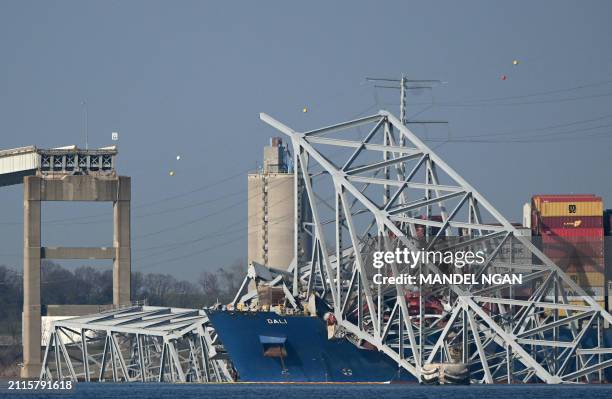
210, 285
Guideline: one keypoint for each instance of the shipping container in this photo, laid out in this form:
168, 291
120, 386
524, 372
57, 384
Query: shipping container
591, 246
572, 232
565, 257
571, 266
540, 225
597, 261
598, 298
584, 253
536, 200
583, 269
539, 197
571, 222
572, 239
588, 280
593, 242
571, 208
584, 246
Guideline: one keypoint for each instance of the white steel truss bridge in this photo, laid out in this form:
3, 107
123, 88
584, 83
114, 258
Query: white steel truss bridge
136, 343
372, 180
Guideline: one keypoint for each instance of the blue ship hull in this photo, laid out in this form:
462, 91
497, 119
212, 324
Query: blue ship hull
266, 347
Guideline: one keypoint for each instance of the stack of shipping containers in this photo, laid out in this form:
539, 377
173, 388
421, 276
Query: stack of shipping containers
607, 222
572, 235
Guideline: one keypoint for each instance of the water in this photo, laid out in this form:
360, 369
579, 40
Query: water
316, 391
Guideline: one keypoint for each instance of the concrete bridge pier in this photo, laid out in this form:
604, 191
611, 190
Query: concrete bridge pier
108, 188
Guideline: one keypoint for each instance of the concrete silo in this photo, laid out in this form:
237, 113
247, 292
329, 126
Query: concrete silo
271, 209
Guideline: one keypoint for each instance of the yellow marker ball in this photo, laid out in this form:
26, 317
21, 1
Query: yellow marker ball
515, 62
304, 110
171, 173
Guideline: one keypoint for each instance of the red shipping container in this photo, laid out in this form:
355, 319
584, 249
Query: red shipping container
590, 249
585, 264
585, 243
573, 247
565, 197
575, 239
582, 269
574, 253
570, 222
573, 232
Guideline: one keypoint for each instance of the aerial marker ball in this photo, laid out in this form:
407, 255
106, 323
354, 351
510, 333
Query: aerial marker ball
178, 157
171, 173
515, 62
304, 110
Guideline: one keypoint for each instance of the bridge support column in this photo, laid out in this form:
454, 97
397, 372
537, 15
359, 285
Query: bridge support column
115, 189
121, 242
31, 328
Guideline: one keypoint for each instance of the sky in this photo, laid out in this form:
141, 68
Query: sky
189, 78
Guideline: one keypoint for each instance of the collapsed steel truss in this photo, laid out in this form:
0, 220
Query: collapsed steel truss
388, 184
138, 343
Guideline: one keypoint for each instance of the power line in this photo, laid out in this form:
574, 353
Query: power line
145, 204
163, 211
499, 101
541, 138
548, 101
556, 126
542, 93
198, 189
203, 217
189, 255
239, 237
97, 217
223, 233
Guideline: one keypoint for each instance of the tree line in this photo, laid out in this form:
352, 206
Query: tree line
92, 285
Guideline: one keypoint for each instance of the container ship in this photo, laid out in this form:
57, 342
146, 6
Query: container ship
268, 347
